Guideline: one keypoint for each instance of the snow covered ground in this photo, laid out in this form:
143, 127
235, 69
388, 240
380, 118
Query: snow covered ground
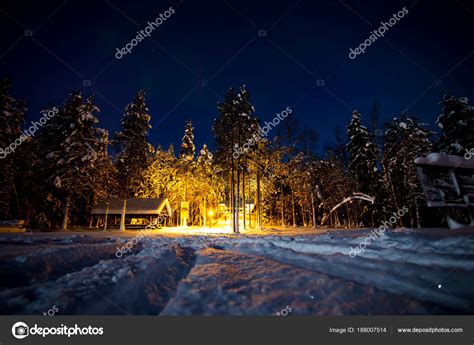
212, 272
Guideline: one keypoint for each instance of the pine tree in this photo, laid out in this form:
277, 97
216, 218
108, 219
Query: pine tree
77, 160
171, 150
205, 156
45, 203
210, 184
234, 128
362, 155
363, 166
457, 123
104, 178
12, 116
187, 164
187, 149
134, 151
405, 140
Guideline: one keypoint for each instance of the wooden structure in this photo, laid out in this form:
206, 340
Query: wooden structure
448, 182
138, 212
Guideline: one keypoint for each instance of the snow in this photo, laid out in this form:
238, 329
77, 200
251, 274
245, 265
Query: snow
441, 159
197, 272
89, 117
452, 224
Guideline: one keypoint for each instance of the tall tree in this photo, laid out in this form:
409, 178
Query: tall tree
205, 156
363, 164
405, 140
46, 203
362, 155
233, 128
187, 163
187, 149
210, 182
457, 123
79, 156
134, 150
12, 117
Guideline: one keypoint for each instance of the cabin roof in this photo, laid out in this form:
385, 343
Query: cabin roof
145, 206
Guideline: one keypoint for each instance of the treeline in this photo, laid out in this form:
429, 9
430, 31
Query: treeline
55, 177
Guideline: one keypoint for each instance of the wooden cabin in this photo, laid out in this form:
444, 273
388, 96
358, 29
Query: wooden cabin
138, 213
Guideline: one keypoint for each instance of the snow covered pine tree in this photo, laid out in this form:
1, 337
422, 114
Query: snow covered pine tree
135, 153
12, 116
363, 165
457, 123
187, 149
233, 128
78, 155
405, 140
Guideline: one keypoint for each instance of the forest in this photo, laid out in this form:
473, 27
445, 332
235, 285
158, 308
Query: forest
53, 178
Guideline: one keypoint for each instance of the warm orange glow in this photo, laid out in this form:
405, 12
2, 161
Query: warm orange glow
195, 231
210, 213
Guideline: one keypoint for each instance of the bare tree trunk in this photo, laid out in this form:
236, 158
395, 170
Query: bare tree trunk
106, 215
122, 216
259, 205
184, 221
348, 216
282, 210
293, 207
235, 213
237, 208
303, 211
250, 211
231, 199
66, 215
191, 215
313, 210
418, 218
205, 212
243, 197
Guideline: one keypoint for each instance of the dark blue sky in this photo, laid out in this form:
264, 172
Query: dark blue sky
426, 54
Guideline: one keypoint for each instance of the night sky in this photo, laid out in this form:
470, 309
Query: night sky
205, 47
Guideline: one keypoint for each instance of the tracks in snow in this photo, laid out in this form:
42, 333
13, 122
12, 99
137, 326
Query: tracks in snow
236, 275
90, 279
